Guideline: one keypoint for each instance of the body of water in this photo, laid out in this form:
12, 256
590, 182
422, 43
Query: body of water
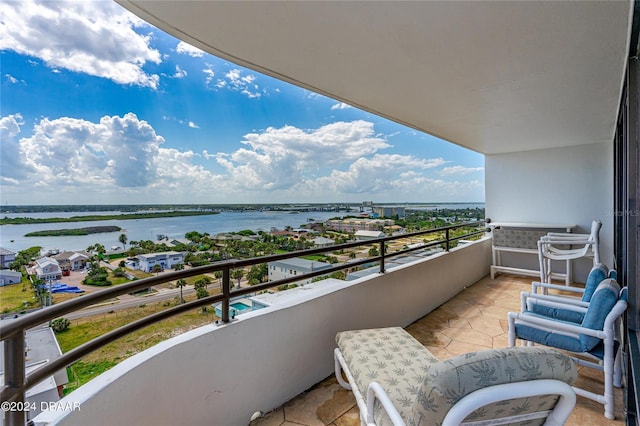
12, 236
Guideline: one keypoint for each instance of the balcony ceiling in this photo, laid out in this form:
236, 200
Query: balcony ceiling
494, 77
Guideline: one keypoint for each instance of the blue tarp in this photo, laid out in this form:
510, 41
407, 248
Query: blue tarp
64, 288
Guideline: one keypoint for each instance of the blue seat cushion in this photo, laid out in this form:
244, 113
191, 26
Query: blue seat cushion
602, 301
560, 340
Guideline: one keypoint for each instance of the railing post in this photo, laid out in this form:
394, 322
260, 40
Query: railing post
447, 243
226, 291
382, 253
14, 372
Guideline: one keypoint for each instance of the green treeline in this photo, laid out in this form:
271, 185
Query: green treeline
74, 232
125, 216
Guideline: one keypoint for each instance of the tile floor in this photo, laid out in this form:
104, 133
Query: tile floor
473, 320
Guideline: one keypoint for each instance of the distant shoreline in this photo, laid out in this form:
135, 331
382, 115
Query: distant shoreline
89, 218
75, 231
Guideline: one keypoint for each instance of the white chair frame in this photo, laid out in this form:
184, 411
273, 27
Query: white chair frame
610, 365
468, 404
549, 250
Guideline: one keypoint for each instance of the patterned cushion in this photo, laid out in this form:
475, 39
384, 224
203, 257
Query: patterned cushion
391, 357
450, 380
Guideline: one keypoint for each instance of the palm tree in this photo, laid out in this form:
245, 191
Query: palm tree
181, 283
123, 239
237, 274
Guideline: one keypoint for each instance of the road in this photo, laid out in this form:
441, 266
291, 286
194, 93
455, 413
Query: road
124, 301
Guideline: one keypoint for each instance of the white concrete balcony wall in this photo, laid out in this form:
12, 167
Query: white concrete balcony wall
221, 375
562, 185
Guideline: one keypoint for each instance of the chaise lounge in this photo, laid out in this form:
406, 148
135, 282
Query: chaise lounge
397, 381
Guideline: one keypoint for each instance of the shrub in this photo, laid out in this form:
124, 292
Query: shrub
59, 324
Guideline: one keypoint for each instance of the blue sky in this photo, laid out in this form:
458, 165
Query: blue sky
98, 107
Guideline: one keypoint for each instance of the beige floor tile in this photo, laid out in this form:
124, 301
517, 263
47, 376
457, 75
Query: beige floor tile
489, 326
469, 336
474, 320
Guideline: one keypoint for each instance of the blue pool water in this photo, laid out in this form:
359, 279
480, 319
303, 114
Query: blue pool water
240, 306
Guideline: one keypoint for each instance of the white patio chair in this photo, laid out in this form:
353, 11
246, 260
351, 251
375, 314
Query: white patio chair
568, 247
594, 338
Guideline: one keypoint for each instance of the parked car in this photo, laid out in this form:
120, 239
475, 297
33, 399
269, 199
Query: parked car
66, 273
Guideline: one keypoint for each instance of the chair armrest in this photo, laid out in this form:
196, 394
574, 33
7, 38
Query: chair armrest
569, 303
375, 391
547, 324
535, 285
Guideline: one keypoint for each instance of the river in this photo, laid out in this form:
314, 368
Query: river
12, 236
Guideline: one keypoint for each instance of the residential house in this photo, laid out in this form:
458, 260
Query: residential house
47, 269
8, 277
166, 260
282, 269
6, 257
72, 260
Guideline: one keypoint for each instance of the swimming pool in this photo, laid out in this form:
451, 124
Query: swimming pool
238, 306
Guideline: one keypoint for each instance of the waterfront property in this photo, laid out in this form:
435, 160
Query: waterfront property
352, 225
72, 260
547, 91
165, 260
46, 269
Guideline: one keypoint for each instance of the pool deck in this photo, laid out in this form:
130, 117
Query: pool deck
476, 319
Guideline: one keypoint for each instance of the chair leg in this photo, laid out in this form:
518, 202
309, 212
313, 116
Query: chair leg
608, 365
617, 371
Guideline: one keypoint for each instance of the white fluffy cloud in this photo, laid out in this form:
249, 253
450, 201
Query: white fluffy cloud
122, 159
340, 105
236, 80
459, 170
187, 49
60, 34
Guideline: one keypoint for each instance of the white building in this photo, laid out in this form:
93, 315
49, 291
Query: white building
166, 260
369, 235
47, 269
8, 277
41, 346
72, 260
282, 269
323, 242
6, 257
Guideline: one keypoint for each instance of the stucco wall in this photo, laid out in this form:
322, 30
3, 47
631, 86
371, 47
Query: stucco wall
221, 375
562, 185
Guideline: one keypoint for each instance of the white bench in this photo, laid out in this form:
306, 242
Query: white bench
521, 237
397, 381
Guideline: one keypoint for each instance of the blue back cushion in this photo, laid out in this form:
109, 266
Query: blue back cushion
602, 301
557, 313
598, 273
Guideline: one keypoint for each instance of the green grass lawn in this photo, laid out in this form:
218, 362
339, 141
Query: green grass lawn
13, 298
85, 329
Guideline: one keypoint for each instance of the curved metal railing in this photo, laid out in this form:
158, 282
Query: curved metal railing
16, 382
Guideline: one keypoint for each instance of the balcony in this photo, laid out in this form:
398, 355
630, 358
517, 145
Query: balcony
260, 360
473, 320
